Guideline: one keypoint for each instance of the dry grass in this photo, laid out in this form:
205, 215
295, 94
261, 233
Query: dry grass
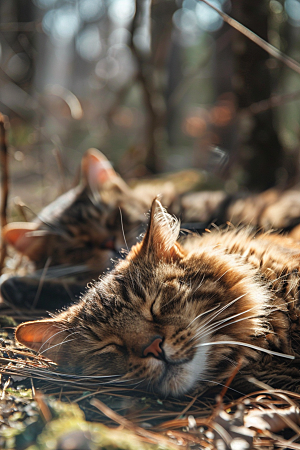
264, 419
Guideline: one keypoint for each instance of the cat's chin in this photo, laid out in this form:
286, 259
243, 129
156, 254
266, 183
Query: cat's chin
180, 379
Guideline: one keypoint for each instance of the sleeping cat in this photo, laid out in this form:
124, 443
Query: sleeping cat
78, 234
175, 316
271, 209
88, 224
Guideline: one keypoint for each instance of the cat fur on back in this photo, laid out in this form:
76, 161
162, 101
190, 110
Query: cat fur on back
177, 316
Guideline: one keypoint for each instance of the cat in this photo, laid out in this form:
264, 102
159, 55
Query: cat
272, 209
76, 237
88, 225
176, 316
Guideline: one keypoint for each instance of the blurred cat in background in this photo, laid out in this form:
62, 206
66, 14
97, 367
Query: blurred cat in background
77, 235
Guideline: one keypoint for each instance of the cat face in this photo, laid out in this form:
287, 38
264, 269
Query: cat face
155, 319
86, 225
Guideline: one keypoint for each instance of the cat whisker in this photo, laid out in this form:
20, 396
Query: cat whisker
199, 285
75, 376
221, 322
59, 376
245, 344
121, 217
202, 314
279, 278
150, 384
60, 343
136, 383
218, 279
220, 310
177, 295
273, 308
223, 385
224, 308
56, 345
201, 336
70, 378
51, 228
52, 336
61, 270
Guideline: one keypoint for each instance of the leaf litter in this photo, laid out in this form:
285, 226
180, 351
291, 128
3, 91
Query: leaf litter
42, 408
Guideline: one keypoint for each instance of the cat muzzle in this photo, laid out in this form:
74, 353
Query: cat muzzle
154, 349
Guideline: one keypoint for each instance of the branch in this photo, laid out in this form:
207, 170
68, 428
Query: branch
289, 62
272, 102
4, 182
151, 158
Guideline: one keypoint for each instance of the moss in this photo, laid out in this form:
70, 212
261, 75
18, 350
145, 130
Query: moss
6, 321
68, 430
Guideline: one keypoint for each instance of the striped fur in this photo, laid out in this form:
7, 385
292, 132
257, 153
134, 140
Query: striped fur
159, 318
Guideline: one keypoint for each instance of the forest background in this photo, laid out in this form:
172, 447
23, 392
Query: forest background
157, 86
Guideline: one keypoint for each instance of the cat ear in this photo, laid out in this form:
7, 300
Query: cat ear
43, 336
161, 235
21, 236
97, 171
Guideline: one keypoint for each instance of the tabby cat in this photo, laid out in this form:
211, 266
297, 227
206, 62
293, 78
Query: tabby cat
271, 209
89, 224
86, 225
76, 236
176, 316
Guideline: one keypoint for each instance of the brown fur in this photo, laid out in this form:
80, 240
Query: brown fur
181, 298
272, 209
87, 225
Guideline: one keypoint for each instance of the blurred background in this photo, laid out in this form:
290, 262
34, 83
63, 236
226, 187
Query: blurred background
158, 86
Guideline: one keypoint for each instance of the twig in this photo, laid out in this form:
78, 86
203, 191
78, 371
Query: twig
33, 388
4, 389
46, 413
230, 379
4, 182
220, 397
289, 62
91, 394
154, 437
186, 408
272, 102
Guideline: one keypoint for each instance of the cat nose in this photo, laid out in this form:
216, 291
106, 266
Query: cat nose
155, 349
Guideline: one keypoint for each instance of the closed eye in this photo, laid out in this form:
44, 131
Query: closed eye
112, 347
106, 347
153, 314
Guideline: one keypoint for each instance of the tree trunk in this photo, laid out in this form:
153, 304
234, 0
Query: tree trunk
259, 151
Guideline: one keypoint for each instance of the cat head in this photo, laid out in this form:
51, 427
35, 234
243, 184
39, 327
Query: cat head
87, 224
155, 319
